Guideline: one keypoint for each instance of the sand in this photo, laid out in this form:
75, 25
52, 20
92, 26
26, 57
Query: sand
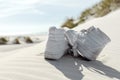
28, 63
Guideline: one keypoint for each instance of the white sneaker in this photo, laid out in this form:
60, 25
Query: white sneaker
56, 44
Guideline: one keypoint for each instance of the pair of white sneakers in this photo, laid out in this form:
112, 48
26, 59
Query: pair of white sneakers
87, 43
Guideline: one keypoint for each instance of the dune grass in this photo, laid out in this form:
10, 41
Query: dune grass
98, 10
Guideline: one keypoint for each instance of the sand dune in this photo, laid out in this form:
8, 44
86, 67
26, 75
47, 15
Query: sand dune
28, 63
22, 39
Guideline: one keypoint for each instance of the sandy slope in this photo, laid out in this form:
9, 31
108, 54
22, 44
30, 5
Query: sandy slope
28, 63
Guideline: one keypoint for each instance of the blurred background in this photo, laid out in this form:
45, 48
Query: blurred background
36, 16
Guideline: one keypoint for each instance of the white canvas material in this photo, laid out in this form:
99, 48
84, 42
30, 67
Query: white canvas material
56, 44
88, 43
72, 37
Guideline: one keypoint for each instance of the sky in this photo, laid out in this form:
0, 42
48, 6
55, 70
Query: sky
33, 16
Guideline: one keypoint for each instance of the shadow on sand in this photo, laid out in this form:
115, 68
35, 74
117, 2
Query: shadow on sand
72, 68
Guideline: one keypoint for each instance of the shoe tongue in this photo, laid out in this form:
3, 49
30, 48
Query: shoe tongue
52, 30
59, 31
